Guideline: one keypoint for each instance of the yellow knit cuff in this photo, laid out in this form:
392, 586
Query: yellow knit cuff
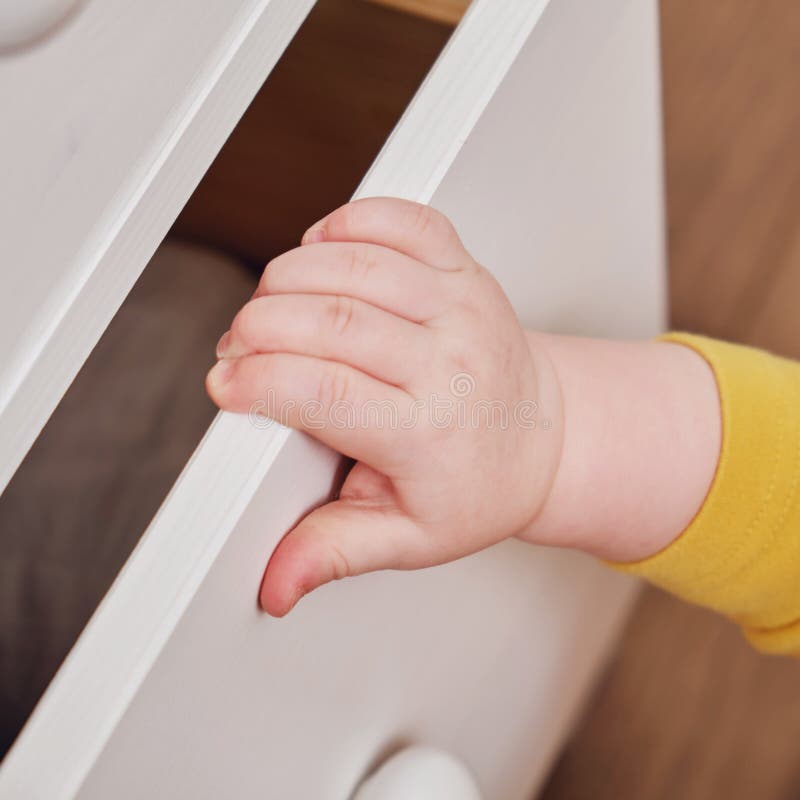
740, 555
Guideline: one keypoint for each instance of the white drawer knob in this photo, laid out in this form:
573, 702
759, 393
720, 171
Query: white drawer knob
421, 773
23, 21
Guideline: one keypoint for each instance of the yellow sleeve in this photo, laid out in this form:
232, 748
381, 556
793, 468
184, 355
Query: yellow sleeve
740, 555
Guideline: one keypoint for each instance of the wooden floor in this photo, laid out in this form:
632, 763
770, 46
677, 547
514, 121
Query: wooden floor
687, 710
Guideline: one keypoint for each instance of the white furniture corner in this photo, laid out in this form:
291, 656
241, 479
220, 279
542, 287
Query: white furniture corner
538, 132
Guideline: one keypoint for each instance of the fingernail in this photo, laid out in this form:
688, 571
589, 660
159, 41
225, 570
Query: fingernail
221, 372
314, 234
222, 344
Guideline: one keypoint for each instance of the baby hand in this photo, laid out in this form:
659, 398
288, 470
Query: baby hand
383, 338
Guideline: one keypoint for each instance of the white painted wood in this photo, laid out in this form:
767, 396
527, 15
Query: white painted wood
421, 773
180, 687
575, 174
22, 22
420, 151
107, 128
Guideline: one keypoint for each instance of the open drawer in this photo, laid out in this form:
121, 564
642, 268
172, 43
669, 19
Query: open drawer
538, 133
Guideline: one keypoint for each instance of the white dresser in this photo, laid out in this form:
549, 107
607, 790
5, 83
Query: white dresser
538, 132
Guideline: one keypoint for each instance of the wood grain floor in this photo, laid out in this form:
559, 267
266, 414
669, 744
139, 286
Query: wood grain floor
687, 710
448, 11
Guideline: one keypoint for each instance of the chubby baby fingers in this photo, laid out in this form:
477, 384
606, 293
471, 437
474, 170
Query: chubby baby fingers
417, 230
343, 407
378, 275
333, 327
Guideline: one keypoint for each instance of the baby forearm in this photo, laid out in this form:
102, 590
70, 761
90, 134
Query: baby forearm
641, 444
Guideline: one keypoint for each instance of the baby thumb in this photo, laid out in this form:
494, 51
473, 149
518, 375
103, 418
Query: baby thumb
338, 540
